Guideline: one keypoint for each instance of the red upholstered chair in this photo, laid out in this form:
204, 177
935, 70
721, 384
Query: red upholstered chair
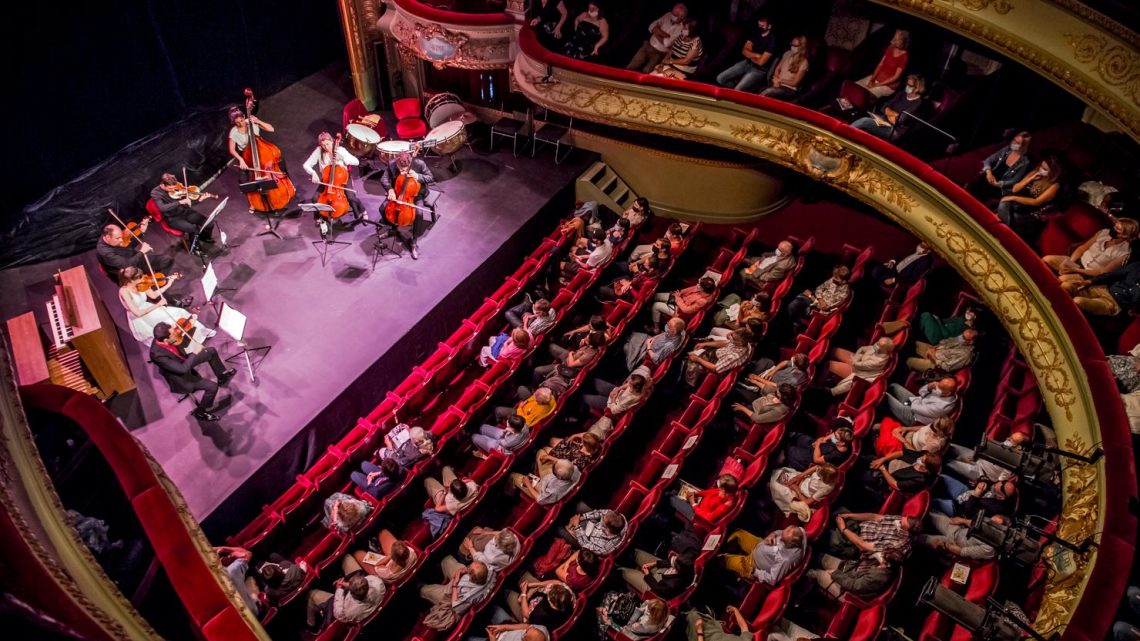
354, 111
154, 212
409, 124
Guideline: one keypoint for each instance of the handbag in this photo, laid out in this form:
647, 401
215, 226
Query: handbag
441, 617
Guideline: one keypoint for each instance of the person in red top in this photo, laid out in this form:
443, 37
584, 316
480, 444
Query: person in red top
708, 505
885, 80
683, 302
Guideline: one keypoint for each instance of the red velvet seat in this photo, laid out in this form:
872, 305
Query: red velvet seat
154, 212
354, 110
409, 124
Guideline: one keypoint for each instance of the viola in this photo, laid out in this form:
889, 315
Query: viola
335, 178
134, 230
264, 160
402, 212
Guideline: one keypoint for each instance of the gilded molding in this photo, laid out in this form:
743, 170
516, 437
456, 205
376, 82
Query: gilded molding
610, 104
827, 161
1000, 6
1099, 20
447, 47
1113, 63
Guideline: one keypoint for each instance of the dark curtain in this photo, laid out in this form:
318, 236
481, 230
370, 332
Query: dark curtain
108, 95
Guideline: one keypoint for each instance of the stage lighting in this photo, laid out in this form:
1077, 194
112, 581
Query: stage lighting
990, 622
1034, 463
1010, 541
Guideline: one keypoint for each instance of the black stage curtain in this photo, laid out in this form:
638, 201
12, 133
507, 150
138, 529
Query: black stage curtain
109, 95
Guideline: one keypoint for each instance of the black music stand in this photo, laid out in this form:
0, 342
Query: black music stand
326, 225
384, 231
262, 186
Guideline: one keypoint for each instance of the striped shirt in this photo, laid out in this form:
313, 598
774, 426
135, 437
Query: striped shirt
681, 48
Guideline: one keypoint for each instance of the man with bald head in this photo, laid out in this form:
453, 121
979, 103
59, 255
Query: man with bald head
113, 256
770, 267
933, 401
770, 559
949, 355
869, 362
552, 486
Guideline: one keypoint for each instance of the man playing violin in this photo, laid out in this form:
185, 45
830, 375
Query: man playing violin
416, 168
115, 253
176, 202
320, 159
177, 367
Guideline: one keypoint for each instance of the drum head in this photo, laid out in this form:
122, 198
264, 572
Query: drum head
394, 147
443, 132
364, 134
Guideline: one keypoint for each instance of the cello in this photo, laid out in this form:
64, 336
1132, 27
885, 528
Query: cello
401, 211
264, 161
334, 178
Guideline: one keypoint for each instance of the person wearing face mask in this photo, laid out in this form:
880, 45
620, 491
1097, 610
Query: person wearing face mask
948, 356
937, 329
826, 298
933, 401
547, 17
1002, 170
759, 49
891, 121
1021, 209
770, 267
790, 71
906, 471
591, 32
662, 32
1106, 251
869, 362
884, 81
904, 272
685, 54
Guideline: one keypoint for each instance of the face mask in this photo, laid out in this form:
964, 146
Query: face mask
796, 48
593, 14
1042, 172
970, 316
834, 439
685, 33
765, 28
1014, 146
910, 90
920, 249
779, 253
836, 281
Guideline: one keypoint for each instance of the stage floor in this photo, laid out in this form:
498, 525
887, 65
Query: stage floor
326, 324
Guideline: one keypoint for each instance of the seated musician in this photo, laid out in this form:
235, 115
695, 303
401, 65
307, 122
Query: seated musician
178, 213
114, 254
239, 140
143, 313
178, 368
406, 165
320, 159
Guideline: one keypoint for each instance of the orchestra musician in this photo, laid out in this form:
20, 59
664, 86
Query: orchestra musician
143, 313
178, 212
406, 164
239, 140
321, 158
115, 254
177, 367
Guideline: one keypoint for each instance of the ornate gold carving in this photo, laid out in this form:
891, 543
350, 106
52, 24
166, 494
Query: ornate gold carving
1087, 13
1016, 310
453, 48
1114, 63
1000, 6
370, 11
610, 104
1078, 522
826, 160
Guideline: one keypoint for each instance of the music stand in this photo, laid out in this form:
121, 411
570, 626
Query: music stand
322, 245
261, 186
209, 219
232, 322
384, 231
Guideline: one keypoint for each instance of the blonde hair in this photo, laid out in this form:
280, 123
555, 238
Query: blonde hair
658, 611
1129, 228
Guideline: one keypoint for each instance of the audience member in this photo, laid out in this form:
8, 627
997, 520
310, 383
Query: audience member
830, 294
710, 504
662, 32
790, 71
1021, 208
885, 79
615, 400
504, 347
497, 549
1111, 293
1002, 170
511, 434
599, 531
653, 350
867, 363
552, 486
770, 408
378, 480
450, 494
904, 272
570, 362
719, 356
933, 401
906, 471
865, 577
665, 578
591, 32
890, 122
535, 318
545, 603
706, 627
396, 558
466, 585
937, 329
685, 54
629, 616
948, 356
406, 445
966, 464
1126, 369
770, 559
736, 313
751, 73
580, 449
683, 302
281, 577
342, 512
357, 596
236, 562
791, 371
954, 537
770, 267
515, 632
801, 451
861, 533
638, 212
597, 324
579, 570
895, 437
531, 407
547, 17
800, 492
1106, 251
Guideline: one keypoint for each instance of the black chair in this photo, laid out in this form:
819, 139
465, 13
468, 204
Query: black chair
553, 129
511, 127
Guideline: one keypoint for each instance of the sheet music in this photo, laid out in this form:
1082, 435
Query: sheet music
209, 281
232, 322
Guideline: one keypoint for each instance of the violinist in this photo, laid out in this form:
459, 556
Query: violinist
321, 158
405, 164
177, 367
147, 307
117, 250
173, 200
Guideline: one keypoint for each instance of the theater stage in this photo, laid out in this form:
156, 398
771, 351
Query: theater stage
341, 334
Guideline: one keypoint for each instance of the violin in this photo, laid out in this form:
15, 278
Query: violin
178, 191
264, 160
155, 280
334, 178
184, 327
401, 211
133, 230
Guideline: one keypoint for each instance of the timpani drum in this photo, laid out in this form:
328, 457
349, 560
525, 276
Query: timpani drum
362, 140
389, 149
447, 138
443, 107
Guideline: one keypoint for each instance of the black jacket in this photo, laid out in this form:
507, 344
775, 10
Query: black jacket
388, 177
178, 372
1123, 284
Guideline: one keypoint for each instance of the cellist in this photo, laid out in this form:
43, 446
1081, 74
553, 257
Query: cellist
418, 169
321, 158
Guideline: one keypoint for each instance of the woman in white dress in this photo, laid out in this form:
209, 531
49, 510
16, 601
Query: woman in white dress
799, 492
143, 315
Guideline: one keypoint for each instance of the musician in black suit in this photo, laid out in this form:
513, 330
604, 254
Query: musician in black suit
114, 257
418, 169
179, 213
177, 367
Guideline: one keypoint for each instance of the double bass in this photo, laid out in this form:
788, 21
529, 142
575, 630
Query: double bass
334, 178
264, 161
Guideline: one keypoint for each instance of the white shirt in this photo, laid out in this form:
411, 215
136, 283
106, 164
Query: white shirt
600, 254
241, 138
318, 160
666, 24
